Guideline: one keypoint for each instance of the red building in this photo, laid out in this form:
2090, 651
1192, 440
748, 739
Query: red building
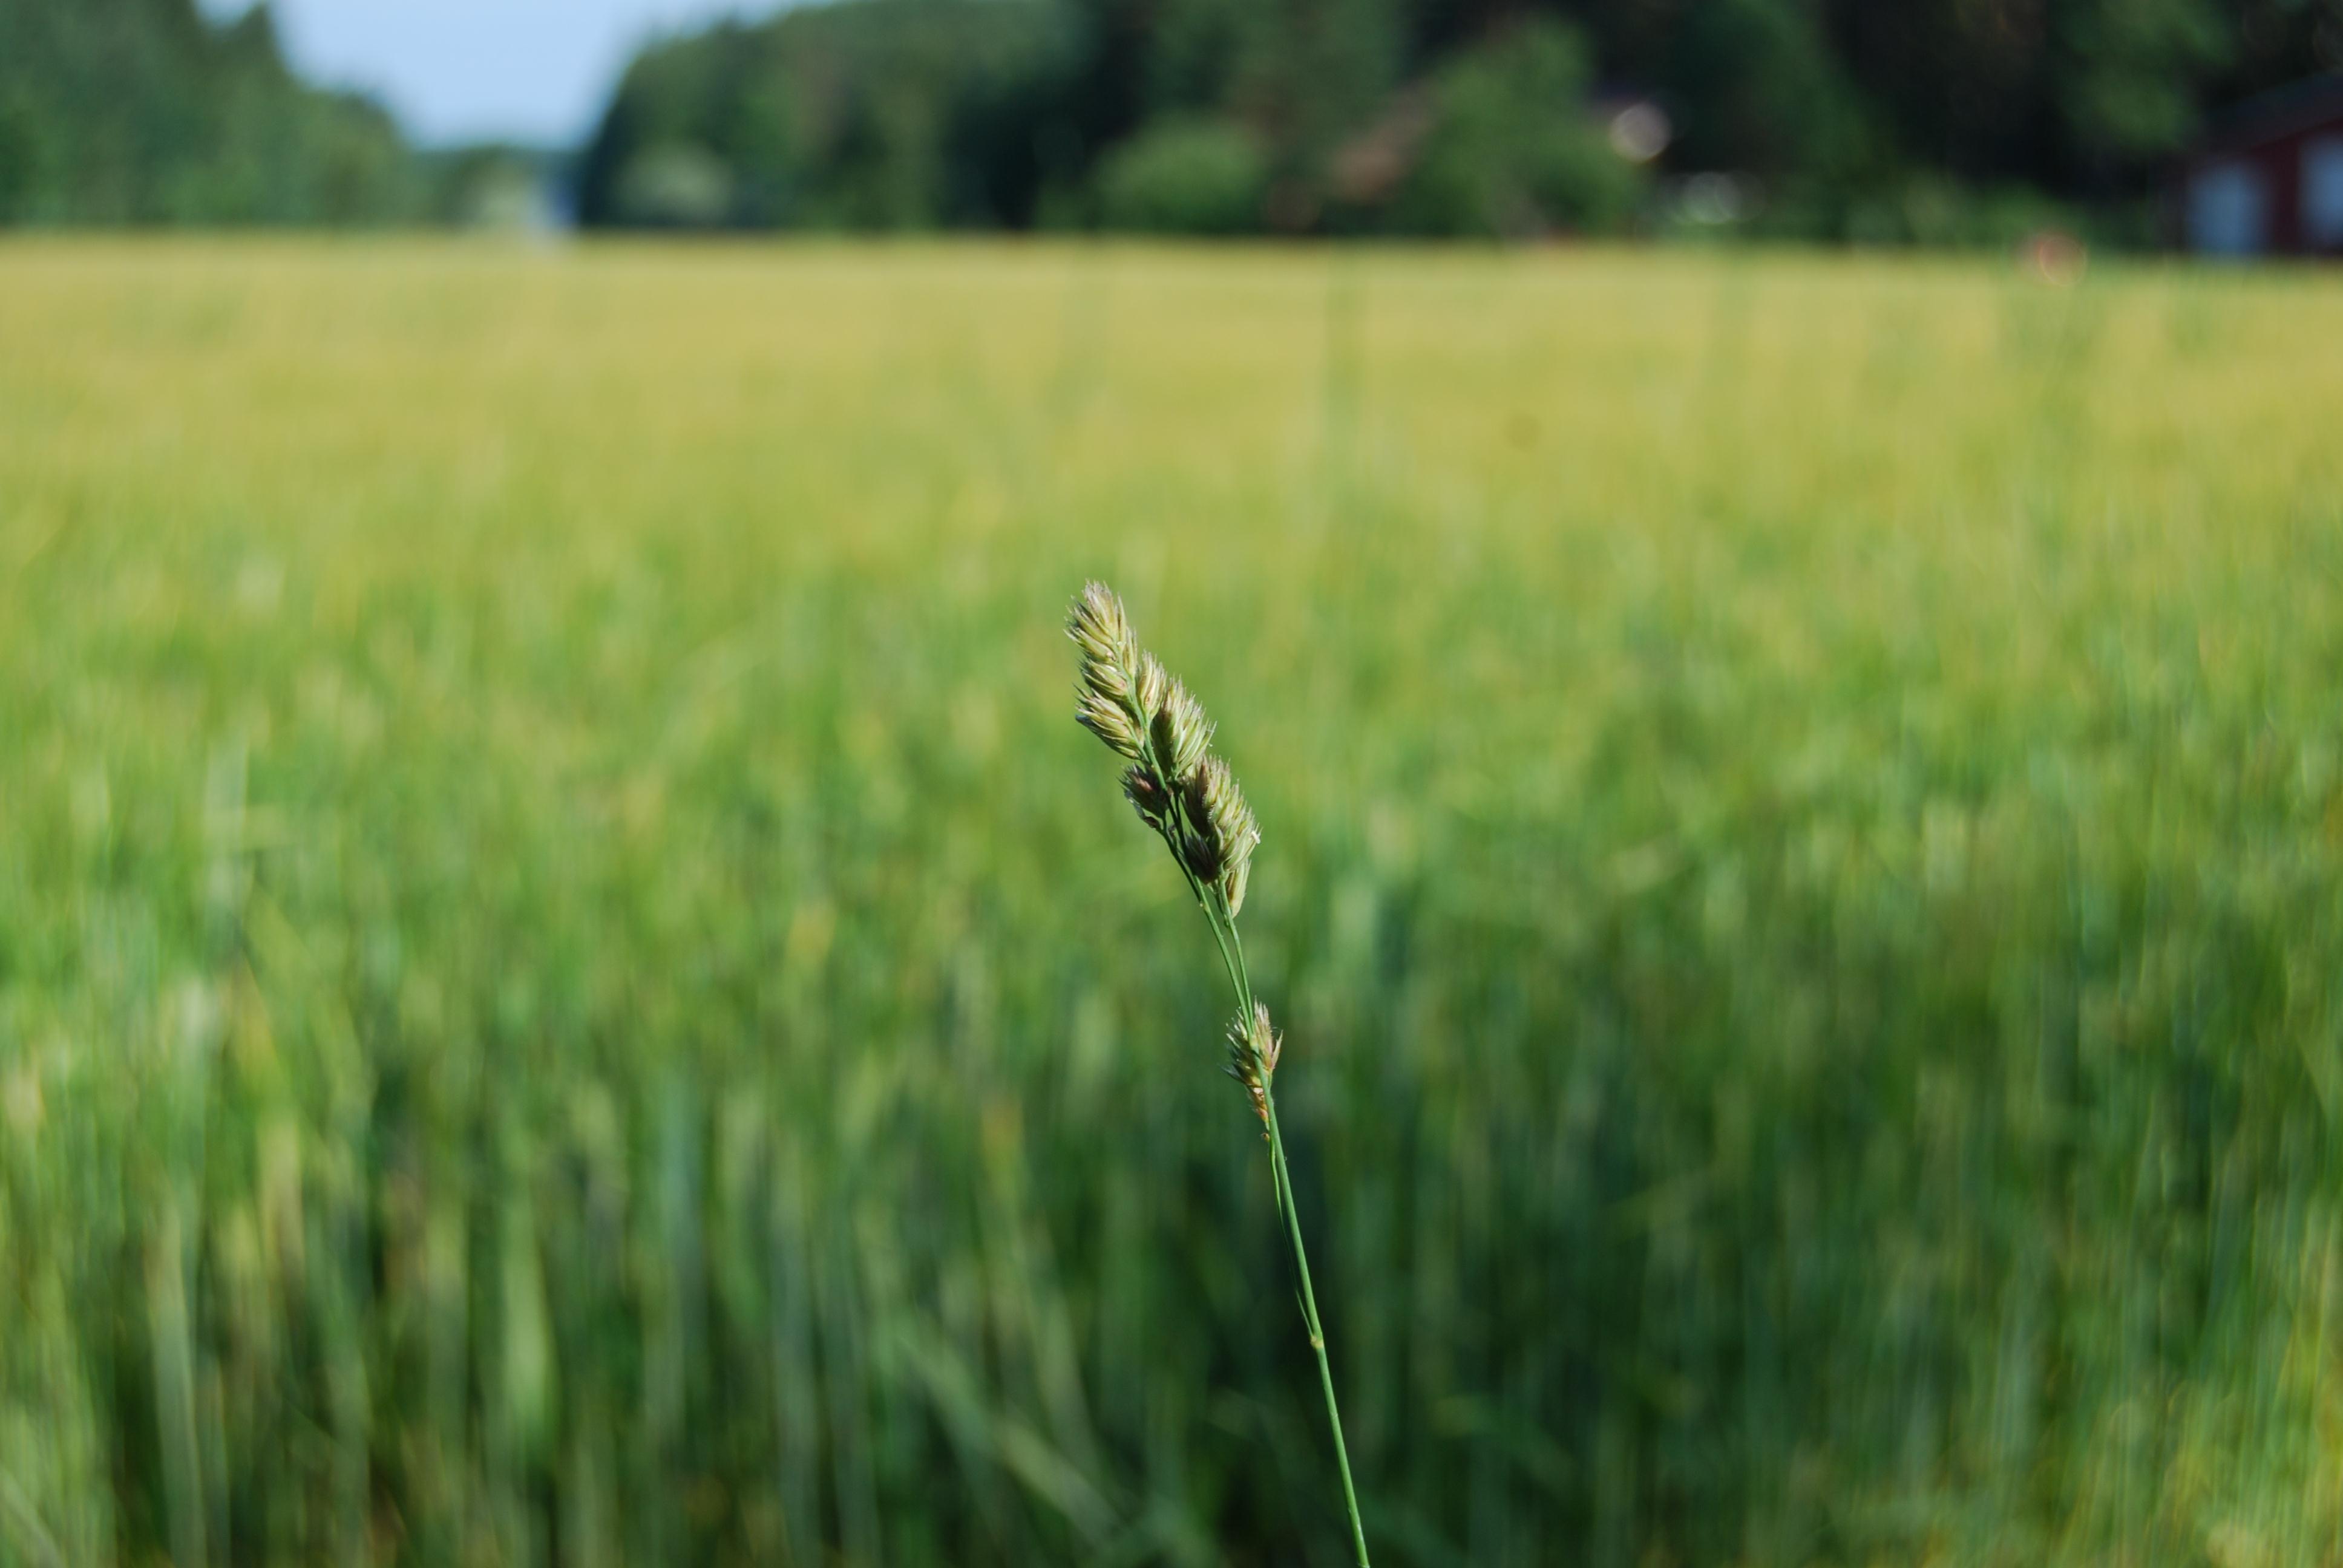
2268, 179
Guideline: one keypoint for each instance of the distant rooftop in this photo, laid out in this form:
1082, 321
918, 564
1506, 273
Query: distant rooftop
2278, 113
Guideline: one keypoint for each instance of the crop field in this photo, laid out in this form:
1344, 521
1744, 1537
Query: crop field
570, 993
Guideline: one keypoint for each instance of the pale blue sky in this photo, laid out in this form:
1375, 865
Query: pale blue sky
461, 70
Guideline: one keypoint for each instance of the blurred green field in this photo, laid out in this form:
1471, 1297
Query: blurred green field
570, 991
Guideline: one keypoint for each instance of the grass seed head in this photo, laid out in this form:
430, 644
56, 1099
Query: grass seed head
1152, 683
1148, 797
1131, 702
1181, 732
1232, 883
1110, 721
1223, 832
1111, 654
1253, 1046
1240, 834
1201, 853
1215, 797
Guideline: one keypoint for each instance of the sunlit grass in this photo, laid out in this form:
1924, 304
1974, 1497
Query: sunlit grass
567, 991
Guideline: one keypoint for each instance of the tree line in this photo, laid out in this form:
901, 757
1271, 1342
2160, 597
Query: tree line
1925, 119
146, 112
1921, 120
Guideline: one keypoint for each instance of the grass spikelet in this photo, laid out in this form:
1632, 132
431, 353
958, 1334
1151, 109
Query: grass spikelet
1110, 650
1192, 800
1148, 797
1253, 1056
1153, 684
1216, 801
1110, 721
1181, 732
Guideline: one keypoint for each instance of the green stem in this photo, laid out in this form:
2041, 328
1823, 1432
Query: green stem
1310, 1319
1231, 946
1232, 956
1223, 922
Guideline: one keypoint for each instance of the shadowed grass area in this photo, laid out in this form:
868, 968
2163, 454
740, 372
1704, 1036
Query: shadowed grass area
569, 991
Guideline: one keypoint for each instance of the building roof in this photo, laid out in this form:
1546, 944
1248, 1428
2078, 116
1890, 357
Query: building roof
2272, 115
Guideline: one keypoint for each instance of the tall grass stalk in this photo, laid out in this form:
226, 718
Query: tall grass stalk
1192, 799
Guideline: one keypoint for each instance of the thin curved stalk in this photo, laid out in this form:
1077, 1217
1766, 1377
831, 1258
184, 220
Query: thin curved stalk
1231, 946
1190, 798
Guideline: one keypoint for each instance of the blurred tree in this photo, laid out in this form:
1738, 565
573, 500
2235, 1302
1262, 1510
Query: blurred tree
2079, 95
1757, 86
1195, 178
2274, 42
139, 111
1426, 115
884, 114
1510, 149
2131, 73
1890, 121
1308, 74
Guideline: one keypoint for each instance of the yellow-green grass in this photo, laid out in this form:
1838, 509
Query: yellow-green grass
570, 991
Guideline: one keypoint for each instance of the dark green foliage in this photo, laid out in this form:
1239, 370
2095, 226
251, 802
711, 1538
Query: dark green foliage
1192, 178
2079, 95
1427, 116
1510, 150
885, 115
1368, 116
1755, 85
1310, 75
2135, 64
137, 111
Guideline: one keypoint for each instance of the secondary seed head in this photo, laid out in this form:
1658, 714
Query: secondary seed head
1254, 1046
